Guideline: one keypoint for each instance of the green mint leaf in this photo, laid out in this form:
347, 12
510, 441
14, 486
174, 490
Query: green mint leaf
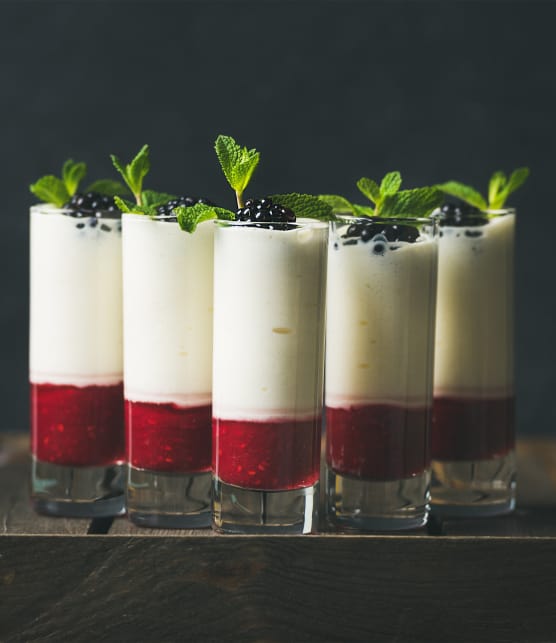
189, 217
107, 187
339, 204
51, 189
390, 184
134, 173
496, 185
139, 167
369, 189
305, 206
72, 175
465, 193
238, 163
419, 202
153, 199
363, 210
125, 206
516, 180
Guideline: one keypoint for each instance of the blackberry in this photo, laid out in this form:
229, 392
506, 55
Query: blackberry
91, 204
265, 213
368, 230
461, 216
165, 210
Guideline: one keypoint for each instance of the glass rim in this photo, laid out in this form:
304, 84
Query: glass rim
153, 217
409, 220
490, 213
298, 224
50, 208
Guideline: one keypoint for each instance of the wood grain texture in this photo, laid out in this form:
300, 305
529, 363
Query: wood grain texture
17, 516
123, 527
155, 585
320, 588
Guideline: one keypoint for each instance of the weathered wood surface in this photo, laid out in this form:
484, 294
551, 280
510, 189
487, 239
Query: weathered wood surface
16, 513
483, 580
322, 588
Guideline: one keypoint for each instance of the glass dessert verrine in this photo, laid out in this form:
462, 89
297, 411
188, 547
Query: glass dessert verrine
379, 357
269, 293
167, 370
167, 276
473, 429
76, 358
382, 266
269, 289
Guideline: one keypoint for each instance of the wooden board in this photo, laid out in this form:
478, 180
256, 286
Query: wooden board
469, 580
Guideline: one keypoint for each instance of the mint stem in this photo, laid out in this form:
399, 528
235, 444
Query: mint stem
239, 199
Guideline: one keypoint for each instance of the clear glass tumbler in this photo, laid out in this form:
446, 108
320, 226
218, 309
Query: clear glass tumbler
269, 294
379, 359
167, 275
76, 363
473, 428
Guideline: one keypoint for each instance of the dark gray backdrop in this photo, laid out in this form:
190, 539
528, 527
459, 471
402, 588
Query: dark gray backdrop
326, 91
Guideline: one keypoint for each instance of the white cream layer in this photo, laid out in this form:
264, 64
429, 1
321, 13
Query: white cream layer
167, 311
475, 310
269, 321
75, 300
380, 323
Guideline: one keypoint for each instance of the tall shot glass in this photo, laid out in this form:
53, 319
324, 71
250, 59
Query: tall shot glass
379, 358
167, 277
473, 430
269, 295
76, 363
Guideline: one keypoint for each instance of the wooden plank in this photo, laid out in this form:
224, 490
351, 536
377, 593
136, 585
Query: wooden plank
321, 588
17, 516
123, 527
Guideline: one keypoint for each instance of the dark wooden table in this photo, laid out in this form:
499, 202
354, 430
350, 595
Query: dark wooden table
106, 580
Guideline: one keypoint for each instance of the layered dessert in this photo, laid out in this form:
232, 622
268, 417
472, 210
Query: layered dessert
268, 352
76, 333
379, 338
473, 416
168, 344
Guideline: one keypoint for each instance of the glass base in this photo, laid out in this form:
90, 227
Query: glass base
474, 488
77, 492
168, 500
359, 505
250, 511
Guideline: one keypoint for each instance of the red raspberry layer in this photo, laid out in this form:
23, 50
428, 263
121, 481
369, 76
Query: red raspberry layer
472, 429
167, 437
77, 426
378, 442
271, 455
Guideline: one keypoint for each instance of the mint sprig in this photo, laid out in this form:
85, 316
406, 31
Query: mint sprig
150, 200
238, 164
189, 217
134, 172
388, 199
107, 187
499, 189
52, 189
305, 206
72, 175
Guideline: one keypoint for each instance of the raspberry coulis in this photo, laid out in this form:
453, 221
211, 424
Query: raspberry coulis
378, 442
167, 437
472, 429
275, 455
77, 426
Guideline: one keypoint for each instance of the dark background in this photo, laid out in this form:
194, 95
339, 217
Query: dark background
326, 91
